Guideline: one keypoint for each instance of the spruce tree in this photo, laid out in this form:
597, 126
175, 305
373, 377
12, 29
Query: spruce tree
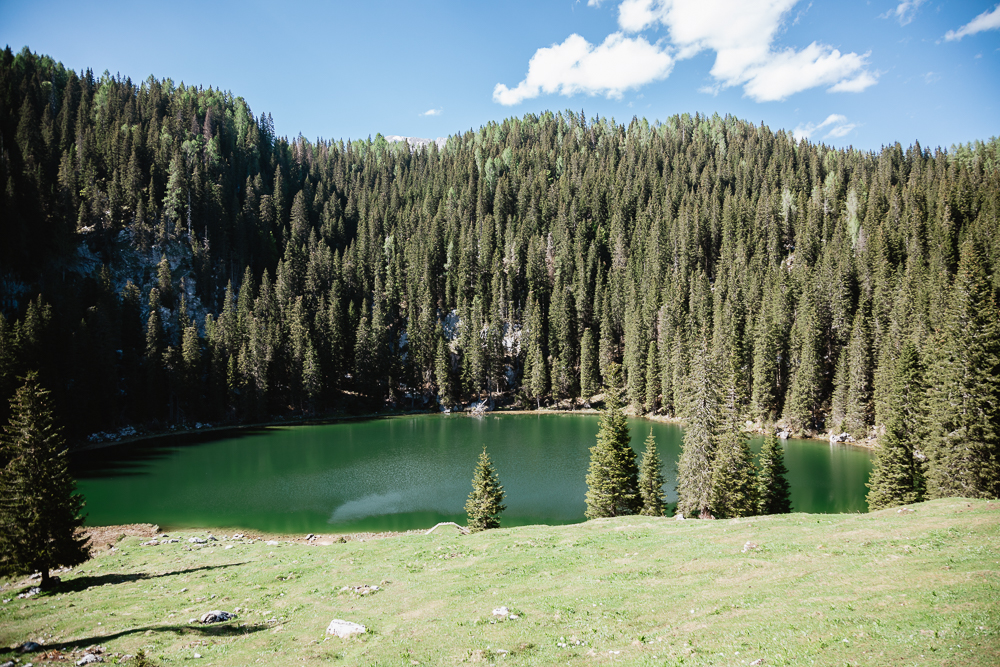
39, 511
651, 479
734, 476
694, 468
964, 390
897, 476
773, 496
612, 481
485, 503
588, 365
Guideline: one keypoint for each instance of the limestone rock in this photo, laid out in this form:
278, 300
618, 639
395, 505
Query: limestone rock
89, 659
196, 540
502, 612
345, 629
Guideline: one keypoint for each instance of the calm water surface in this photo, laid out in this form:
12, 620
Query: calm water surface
400, 473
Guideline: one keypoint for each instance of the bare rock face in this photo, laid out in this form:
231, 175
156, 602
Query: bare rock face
344, 629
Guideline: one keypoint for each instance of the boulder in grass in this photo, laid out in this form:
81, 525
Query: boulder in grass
29, 647
344, 629
89, 659
216, 616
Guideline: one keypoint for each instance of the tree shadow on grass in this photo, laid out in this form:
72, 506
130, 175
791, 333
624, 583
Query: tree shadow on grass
221, 630
79, 584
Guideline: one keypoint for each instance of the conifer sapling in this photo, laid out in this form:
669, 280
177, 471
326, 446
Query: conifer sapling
484, 505
651, 479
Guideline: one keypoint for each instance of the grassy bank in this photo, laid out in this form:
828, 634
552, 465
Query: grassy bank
913, 588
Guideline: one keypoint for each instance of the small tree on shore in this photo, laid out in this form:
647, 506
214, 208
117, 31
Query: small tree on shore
39, 511
773, 496
651, 479
484, 505
612, 484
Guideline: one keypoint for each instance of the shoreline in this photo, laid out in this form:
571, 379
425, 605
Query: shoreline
870, 445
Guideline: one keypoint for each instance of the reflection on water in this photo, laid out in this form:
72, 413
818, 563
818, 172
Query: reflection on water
400, 473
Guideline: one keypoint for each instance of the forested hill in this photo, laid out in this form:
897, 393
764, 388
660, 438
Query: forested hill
167, 259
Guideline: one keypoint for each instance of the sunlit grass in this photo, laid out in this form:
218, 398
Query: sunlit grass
892, 587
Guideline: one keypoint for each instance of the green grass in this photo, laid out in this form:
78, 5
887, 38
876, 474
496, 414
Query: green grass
887, 588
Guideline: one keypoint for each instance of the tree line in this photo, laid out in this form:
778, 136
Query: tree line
168, 259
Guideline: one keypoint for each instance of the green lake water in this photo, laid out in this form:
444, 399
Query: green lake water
399, 473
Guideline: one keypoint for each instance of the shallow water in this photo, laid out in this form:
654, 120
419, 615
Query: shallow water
400, 473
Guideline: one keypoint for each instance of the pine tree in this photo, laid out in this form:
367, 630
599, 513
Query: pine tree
734, 477
651, 479
612, 484
39, 511
897, 476
484, 505
694, 468
652, 377
773, 496
588, 365
964, 390
442, 374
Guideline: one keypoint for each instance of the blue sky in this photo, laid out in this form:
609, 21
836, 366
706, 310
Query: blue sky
844, 73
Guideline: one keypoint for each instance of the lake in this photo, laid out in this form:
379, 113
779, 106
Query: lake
400, 473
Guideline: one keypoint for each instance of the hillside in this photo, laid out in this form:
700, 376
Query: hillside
908, 587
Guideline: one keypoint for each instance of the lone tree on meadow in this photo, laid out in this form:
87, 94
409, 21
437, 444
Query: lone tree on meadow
651, 479
612, 484
484, 505
39, 509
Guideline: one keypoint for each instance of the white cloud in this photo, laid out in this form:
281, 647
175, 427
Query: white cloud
839, 127
742, 32
855, 85
905, 11
985, 21
432, 112
576, 66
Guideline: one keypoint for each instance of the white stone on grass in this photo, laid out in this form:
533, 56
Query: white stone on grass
344, 629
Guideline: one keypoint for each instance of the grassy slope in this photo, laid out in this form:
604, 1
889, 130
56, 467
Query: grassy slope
878, 589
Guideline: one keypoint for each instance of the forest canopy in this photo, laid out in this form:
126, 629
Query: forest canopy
167, 259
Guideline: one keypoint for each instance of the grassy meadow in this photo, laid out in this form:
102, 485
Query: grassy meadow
917, 587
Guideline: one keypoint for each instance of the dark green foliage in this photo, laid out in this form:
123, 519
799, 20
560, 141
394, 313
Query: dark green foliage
801, 266
698, 450
651, 479
612, 480
897, 477
773, 495
485, 503
964, 389
39, 509
734, 476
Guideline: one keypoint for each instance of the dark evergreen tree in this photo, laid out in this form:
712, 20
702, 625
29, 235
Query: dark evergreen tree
485, 503
651, 479
698, 450
612, 480
964, 390
897, 477
773, 495
39, 509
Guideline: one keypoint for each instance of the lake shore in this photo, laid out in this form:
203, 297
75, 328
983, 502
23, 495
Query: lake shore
867, 444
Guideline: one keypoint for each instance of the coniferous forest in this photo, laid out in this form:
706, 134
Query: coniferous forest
167, 259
